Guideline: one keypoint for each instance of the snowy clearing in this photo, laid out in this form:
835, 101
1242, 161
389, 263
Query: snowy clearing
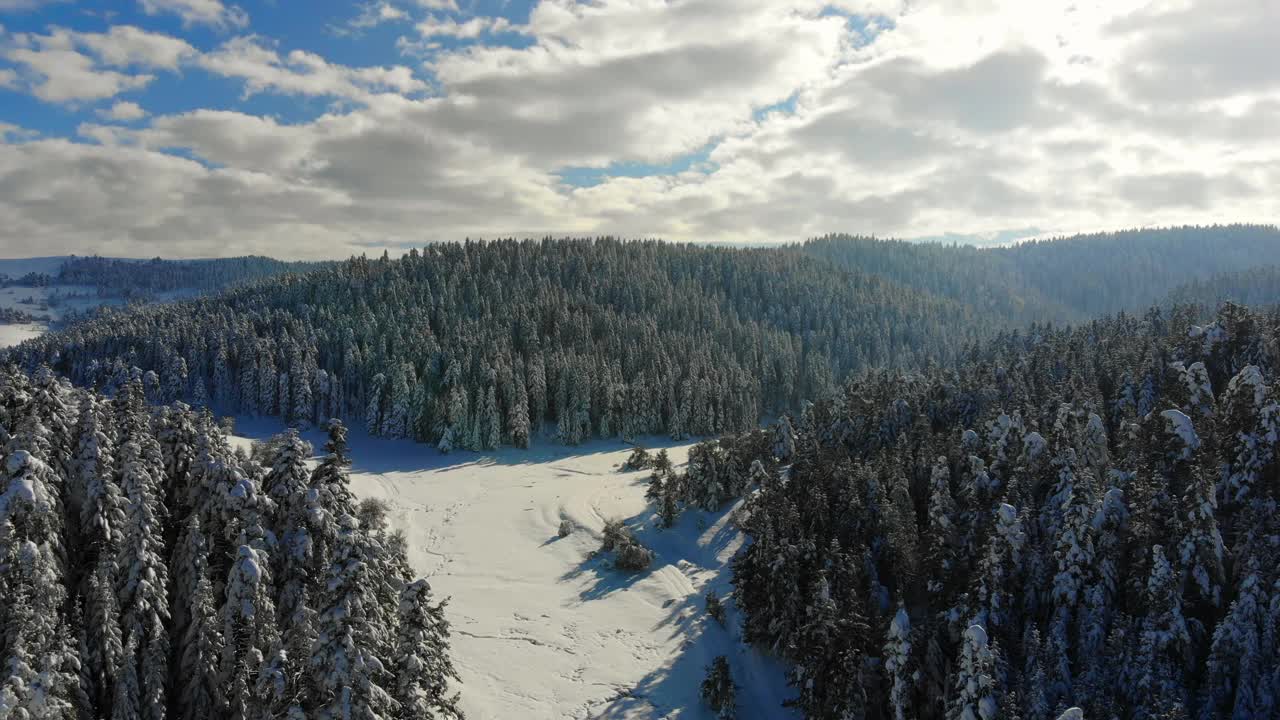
540, 628
11, 335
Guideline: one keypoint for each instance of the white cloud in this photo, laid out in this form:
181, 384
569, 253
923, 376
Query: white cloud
199, 12
373, 14
303, 73
69, 66
972, 117
57, 75
123, 110
450, 5
472, 28
125, 45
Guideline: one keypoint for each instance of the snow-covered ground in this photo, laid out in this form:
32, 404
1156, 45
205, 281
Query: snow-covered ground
11, 335
541, 629
52, 302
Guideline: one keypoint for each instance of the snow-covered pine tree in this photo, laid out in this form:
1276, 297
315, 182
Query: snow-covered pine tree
977, 691
897, 664
1163, 642
197, 628
249, 632
422, 667
144, 576
943, 530
374, 404
348, 677
518, 415
1236, 681
491, 421
719, 690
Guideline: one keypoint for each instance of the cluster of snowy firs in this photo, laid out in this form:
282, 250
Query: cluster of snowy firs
10, 315
473, 345
1075, 519
147, 570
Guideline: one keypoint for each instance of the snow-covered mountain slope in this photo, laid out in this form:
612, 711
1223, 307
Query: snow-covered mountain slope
541, 628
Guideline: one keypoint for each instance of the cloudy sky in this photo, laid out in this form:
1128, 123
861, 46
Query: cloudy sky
310, 128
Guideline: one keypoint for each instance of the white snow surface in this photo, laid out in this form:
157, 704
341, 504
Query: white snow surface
11, 335
540, 629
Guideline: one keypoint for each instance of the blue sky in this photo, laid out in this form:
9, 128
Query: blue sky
206, 127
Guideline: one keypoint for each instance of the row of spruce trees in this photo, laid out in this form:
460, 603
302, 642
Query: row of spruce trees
1086, 518
148, 570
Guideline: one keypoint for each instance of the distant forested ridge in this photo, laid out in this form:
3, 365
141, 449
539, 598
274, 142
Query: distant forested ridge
1067, 279
479, 344
141, 277
1083, 518
1259, 287
148, 570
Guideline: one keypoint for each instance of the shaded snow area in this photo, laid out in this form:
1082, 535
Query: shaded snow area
542, 628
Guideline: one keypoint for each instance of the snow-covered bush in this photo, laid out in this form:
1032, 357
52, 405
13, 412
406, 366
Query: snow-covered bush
640, 459
628, 553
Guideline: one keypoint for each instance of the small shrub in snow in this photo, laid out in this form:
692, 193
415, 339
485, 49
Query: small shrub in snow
615, 531
566, 527
639, 460
633, 557
629, 554
718, 689
715, 608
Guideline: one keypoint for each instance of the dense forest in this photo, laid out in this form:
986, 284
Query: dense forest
982, 514
1256, 287
1076, 518
1059, 280
480, 344
148, 570
116, 276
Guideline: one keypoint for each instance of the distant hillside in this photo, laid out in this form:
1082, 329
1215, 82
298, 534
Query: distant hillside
1064, 279
480, 344
158, 275
1256, 286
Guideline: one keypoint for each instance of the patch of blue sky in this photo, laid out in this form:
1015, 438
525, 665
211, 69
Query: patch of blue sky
865, 27
698, 161
786, 107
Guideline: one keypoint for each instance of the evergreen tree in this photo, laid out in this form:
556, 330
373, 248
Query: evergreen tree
422, 666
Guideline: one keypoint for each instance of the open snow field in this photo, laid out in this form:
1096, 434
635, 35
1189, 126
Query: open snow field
540, 628
11, 335
53, 302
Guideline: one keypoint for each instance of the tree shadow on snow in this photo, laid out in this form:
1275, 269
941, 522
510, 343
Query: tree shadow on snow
690, 547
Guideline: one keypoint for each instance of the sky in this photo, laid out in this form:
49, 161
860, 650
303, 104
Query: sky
312, 129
